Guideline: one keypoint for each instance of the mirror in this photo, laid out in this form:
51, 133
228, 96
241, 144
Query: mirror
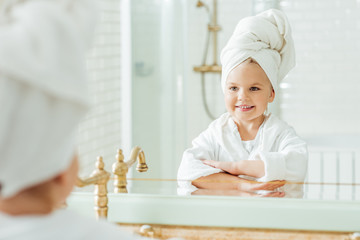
164, 101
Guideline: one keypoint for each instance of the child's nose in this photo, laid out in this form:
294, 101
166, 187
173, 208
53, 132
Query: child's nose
242, 95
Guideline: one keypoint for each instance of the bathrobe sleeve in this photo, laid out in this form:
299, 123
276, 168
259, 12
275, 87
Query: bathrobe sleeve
191, 167
287, 158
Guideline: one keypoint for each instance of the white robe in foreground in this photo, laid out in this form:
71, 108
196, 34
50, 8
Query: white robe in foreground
60, 225
276, 144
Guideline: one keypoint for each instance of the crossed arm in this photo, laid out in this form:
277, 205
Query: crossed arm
230, 179
253, 168
227, 181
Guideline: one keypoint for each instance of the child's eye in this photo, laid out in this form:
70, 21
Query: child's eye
233, 88
254, 89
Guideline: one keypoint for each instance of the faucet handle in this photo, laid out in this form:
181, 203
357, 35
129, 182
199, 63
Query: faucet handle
99, 163
120, 169
119, 156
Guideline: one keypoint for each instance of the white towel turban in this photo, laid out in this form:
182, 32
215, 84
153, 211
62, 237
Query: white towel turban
267, 39
43, 91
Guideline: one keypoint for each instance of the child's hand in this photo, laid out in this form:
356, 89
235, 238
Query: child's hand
212, 163
251, 186
228, 192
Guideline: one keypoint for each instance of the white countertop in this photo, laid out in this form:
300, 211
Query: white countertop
226, 211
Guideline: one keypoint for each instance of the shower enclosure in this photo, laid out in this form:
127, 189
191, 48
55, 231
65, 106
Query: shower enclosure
158, 82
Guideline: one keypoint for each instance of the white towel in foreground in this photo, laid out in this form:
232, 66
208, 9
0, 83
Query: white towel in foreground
43, 92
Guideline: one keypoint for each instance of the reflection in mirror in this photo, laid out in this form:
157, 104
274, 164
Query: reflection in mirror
161, 95
218, 192
306, 97
308, 191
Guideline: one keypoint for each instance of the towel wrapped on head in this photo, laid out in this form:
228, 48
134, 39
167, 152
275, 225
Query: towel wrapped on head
43, 93
266, 38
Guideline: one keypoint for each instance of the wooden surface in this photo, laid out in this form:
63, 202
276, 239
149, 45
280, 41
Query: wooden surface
204, 233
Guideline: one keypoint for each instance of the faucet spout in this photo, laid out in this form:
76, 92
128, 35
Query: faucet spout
98, 177
137, 154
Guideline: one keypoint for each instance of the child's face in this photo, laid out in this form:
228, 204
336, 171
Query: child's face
247, 93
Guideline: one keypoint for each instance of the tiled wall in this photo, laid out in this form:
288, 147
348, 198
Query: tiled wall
99, 133
322, 93
320, 96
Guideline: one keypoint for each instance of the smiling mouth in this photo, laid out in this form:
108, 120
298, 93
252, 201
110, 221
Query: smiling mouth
244, 107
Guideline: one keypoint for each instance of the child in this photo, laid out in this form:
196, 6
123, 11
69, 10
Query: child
42, 99
246, 141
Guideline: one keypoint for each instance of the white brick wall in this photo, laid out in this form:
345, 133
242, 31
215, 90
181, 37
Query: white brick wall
319, 97
99, 133
323, 90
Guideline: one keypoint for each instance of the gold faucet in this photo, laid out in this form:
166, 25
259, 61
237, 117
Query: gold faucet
120, 168
99, 177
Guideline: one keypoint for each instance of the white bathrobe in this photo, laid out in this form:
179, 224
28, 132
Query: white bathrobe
276, 144
60, 225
